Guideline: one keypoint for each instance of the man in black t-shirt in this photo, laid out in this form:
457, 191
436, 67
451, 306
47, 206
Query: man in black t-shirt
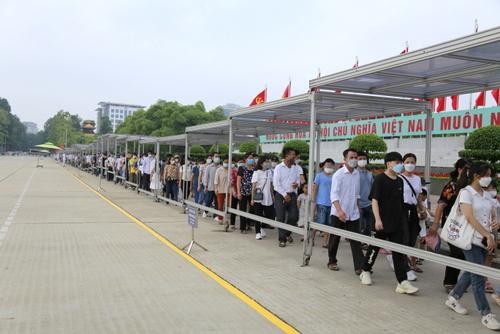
387, 203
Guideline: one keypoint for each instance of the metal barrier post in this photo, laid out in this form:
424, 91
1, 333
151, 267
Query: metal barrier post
228, 201
310, 178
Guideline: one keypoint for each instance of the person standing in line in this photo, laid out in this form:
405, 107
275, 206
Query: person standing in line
201, 185
170, 179
234, 192
195, 174
146, 171
365, 205
446, 200
477, 207
390, 219
262, 204
244, 190
221, 183
301, 170
208, 181
186, 171
412, 188
344, 196
286, 180
133, 168
320, 197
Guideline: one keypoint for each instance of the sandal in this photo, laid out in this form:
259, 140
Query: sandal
333, 266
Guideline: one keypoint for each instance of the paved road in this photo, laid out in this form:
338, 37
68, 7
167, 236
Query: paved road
73, 263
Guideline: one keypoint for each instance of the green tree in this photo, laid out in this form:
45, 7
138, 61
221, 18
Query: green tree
300, 145
105, 125
12, 131
483, 144
370, 143
223, 149
249, 147
197, 152
63, 128
167, 118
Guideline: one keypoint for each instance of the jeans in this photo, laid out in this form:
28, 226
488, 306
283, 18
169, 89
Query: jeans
475, 255
282, 209
323, 214
234, 205
172, 189
451, 274
199, 196
145, 181
366, 220
210, 199
333, 243
400, 260
266, 211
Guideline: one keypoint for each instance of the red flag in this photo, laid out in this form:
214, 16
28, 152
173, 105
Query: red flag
480, 100
287, 91
260, 98
441, 106
405, 50
496, 95
454, 102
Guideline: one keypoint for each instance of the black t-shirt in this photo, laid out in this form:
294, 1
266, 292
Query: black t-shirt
389, 194
448, 197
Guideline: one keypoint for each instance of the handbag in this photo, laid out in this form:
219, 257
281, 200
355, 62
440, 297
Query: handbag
456, 230
259, 194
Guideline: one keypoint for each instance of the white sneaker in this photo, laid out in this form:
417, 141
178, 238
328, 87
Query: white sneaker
452, 303
263, 233
366, 278
216, 218
490, 322
411, 276
390, 261
406, 287
204, 215
258, 236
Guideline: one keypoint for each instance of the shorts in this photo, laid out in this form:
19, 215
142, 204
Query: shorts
323, 214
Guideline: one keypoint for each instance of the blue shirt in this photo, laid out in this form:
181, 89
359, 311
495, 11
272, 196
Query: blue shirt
324, 183
366, 181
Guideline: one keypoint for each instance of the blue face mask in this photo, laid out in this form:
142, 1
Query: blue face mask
250, 161
398, 168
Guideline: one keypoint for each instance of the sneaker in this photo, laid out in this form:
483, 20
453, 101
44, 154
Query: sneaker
452, 303
204, 215
282, 244
366, 278
406, 287
411, 276
263, 233
490, 322
390, 261
289, 239
258, 236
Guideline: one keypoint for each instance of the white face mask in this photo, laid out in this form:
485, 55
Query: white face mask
209, 161
353, 163
224, 165
273, 164
328, 170
485, 181
493, 193
362, 163
217, 160
410, 167
240, 164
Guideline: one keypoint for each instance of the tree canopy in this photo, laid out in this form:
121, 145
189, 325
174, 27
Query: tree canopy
166, 118
370, 143
483, 144
12, 131
104, 125
65, 128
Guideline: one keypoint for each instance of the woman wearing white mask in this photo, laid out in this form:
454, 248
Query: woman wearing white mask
262, 199
477, 207
412, 187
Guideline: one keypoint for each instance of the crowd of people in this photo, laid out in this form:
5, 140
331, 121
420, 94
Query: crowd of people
392, 205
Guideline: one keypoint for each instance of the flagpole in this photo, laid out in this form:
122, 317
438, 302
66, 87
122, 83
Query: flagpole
476, 29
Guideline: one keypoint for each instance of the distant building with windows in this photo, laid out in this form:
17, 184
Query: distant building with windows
31, 127
116, 112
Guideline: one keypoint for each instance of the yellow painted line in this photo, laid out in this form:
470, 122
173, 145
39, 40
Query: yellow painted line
274, 319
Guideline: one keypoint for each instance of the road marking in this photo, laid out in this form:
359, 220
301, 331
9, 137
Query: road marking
4, 228
273, 318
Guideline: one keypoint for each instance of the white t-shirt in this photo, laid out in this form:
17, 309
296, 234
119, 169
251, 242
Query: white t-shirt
482, 206
263, 180
416, 183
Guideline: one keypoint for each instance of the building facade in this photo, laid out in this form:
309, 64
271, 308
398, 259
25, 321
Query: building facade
116, 112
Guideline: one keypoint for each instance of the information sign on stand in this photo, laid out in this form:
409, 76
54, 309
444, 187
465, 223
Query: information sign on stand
192, 220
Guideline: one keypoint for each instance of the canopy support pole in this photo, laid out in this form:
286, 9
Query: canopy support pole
184, 171
310, 177
229, 194
157, 170
318, 145
428, 145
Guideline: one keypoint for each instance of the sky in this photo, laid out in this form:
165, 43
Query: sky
71, 54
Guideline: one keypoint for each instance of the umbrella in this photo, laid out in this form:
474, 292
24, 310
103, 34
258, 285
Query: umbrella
40, 150
49, 146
